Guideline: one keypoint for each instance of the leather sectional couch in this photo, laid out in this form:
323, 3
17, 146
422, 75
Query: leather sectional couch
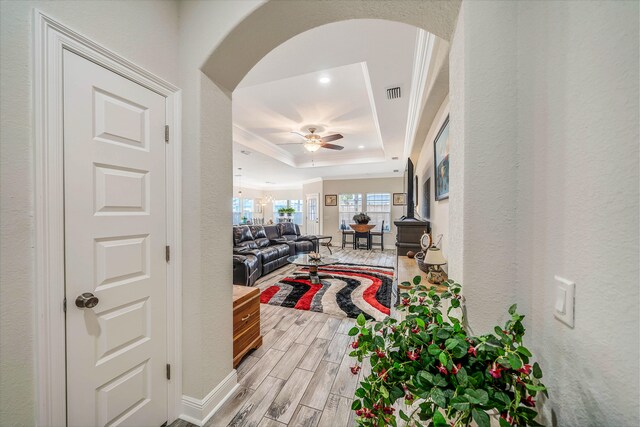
258, 250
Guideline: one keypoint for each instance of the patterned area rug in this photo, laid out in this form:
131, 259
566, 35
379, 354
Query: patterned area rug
344, 290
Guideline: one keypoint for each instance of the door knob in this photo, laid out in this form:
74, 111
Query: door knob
87, 300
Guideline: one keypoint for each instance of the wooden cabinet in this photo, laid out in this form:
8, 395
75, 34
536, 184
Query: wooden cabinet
246, 321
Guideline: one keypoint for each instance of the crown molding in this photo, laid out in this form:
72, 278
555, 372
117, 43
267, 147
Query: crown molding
421, 61
372, 103
261, 145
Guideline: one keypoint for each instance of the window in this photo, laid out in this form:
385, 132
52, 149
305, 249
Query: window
247, 209
379, 209
236, 210
298, 216
348, 206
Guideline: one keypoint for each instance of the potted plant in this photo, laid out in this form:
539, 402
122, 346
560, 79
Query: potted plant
282, 211
361, 218
290, 212
445, 375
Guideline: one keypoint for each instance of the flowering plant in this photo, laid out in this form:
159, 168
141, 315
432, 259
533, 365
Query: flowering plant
444, 375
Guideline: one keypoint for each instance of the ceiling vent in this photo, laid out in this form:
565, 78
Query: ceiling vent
393, 92
245, 152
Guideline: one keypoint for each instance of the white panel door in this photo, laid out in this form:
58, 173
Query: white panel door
313, 214
115, 237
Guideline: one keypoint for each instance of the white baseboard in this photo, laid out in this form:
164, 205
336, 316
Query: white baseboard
198, 412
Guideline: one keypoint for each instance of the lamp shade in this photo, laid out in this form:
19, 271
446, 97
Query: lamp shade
434, 257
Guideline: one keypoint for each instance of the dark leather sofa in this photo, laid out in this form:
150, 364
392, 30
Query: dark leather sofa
258, 250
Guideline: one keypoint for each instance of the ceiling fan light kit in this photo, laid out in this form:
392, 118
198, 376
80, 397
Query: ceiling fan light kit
312, 146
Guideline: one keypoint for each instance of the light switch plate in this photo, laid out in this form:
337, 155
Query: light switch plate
564, 300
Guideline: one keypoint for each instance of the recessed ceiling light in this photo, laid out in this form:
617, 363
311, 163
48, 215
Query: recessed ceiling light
394, 158
361, 146
396, 170
324, 80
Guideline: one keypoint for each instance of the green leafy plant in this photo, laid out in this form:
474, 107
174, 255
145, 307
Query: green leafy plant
283, 211
443, 374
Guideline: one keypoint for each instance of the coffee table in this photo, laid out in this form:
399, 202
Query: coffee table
303, 260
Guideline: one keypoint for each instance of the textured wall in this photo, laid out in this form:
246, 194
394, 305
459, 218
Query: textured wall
114, 24
578, 190
483, 188
207, 179
424, 169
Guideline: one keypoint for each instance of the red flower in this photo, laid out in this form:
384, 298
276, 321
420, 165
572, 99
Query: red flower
383, 374
408, 396
413, 355
355, 369
354, 344
456, 368
496, 370
380, 354
506, 417
421, 300
388, 410
526, 369
405, 302
443, 369
528, 401
472, 350
415, 329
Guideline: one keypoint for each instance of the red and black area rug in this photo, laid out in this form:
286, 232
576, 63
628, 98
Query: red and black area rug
344, 290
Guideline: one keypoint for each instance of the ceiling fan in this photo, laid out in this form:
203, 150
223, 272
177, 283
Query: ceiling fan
314, 142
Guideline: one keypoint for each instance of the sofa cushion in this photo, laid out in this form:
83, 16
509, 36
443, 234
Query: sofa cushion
303, 246
262, 242
271, 231
287, 229
283, 250
241, 233
258, 232
249, 244
271, 253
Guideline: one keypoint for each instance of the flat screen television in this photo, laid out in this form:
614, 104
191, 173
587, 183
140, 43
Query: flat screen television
409, 191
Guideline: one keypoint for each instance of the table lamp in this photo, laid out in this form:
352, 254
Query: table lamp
434, 259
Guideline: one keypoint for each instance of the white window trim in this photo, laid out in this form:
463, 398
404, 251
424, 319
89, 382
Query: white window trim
49, 41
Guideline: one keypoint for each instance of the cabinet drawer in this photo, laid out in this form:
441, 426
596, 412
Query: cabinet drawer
245, 315
246, 338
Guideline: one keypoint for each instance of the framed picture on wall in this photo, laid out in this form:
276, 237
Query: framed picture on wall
426, 199
331, 200
399, 199
441, 162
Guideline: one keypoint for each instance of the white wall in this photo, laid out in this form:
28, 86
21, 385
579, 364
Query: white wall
330, 214
439, 213
544, 99
117, 25
207, 311
578, 190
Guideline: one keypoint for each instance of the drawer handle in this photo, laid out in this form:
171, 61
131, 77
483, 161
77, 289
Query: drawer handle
246, 317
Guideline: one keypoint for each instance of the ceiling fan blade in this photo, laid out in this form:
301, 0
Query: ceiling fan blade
301, 134
292, 143
333, 137
332, 146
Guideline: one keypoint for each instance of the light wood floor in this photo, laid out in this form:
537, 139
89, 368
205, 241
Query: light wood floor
300, 376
